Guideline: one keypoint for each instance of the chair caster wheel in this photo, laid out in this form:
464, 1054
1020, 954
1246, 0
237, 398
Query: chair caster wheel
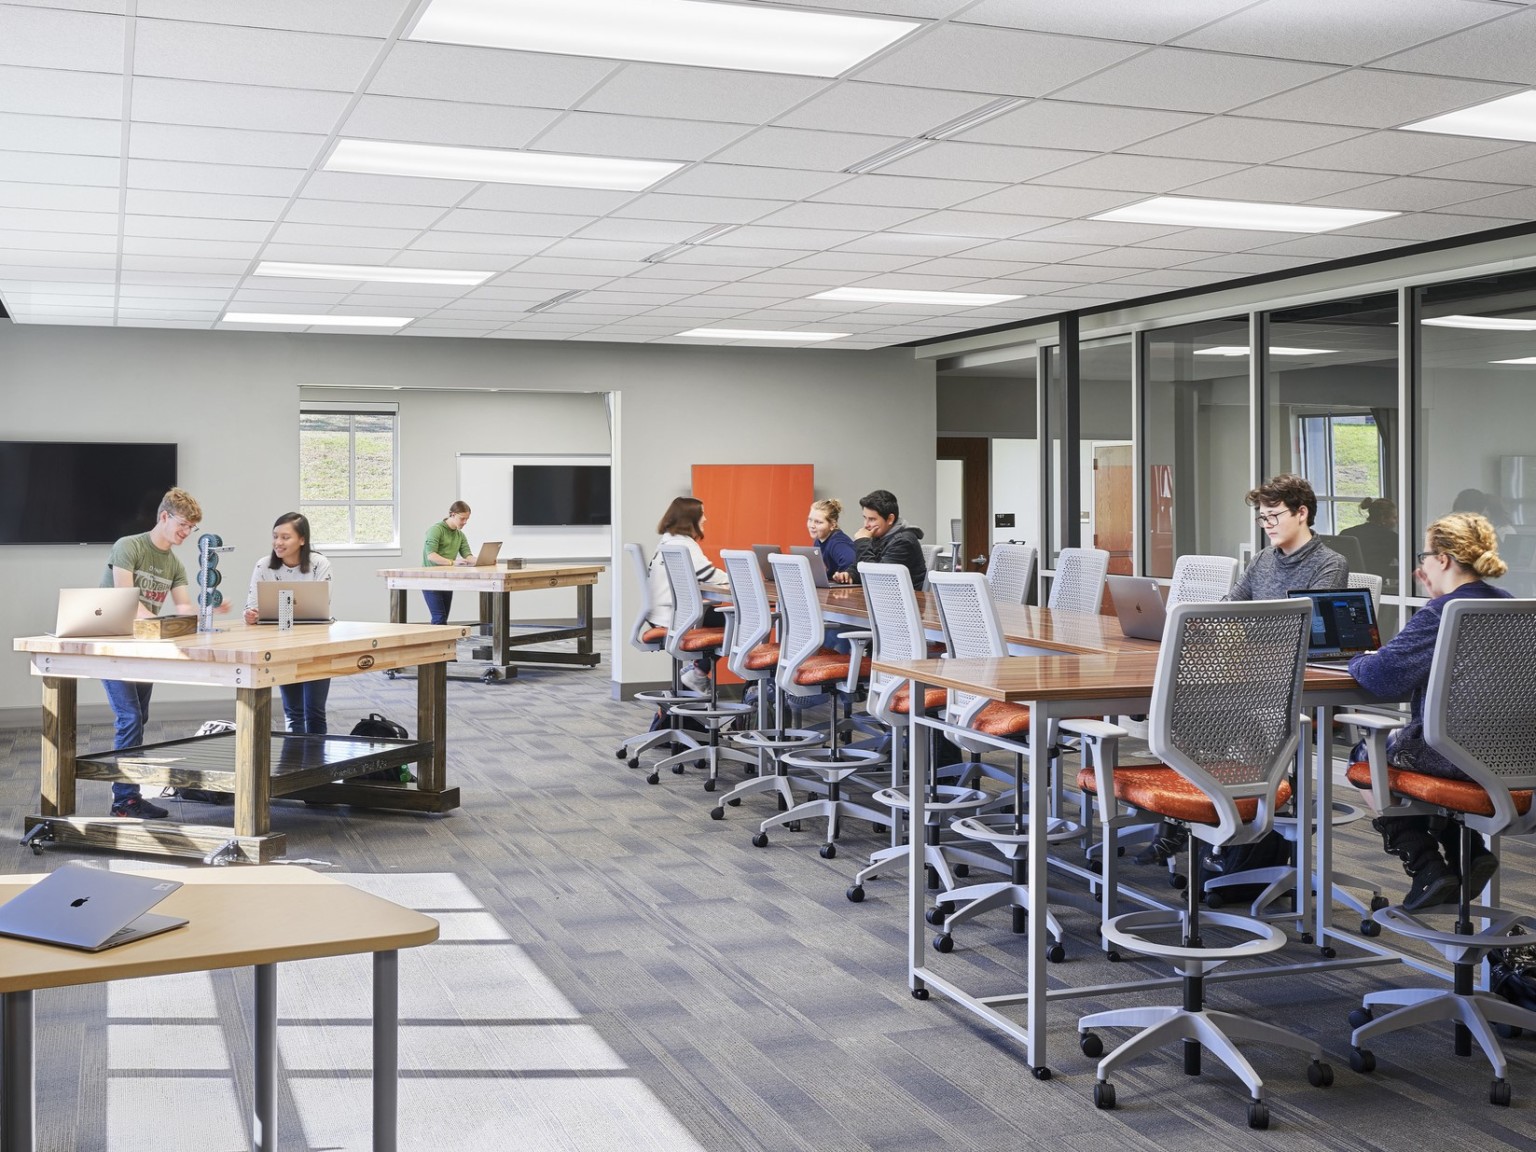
1104, 1095
1056, 953
1258, 1114
793, 825
880, 829
1320, 1075
1177, 880
717, 813
944, 943
1360, 1017
633, 762
709, 785
760, 840
679, 769
962, 870
1305, 937
919, 993
856, 894
1327, 952
1370, 928
653, 778
935, 915
1214, 900
1362, 1060
1379, 902
1040, 1073
620, 753
734, 801
1505, 1031
828, 851
1113, 956
1092, 1048
1498, 1093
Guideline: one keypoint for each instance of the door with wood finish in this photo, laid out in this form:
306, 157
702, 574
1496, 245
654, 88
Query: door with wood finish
1112, 523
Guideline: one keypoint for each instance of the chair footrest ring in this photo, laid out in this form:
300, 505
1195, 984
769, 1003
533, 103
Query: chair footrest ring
771, 740
1125, 931
949, 798
998, 828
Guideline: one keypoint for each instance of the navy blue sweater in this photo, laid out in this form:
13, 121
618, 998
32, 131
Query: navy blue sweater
838, 552
1401, 668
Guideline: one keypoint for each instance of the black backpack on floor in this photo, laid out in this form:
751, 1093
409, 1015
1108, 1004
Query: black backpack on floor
1269, 851
376, 727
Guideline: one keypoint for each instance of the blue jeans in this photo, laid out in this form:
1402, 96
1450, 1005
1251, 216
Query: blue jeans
130, 706
304, 706
437, 604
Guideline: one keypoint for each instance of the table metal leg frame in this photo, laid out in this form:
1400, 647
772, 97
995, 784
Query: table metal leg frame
17, 1077
386, 1049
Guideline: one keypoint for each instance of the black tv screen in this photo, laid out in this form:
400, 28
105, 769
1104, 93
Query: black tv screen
58, 492
564, 494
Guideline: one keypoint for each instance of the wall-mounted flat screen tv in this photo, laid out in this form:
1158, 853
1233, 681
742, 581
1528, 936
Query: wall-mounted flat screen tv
58, 492
560, 494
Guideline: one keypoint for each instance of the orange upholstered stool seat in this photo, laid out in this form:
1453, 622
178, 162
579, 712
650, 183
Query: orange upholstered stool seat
763, 656
1000, 719
1456, 795
826, 666
698, 639
1164, 791
933, 698
653, 636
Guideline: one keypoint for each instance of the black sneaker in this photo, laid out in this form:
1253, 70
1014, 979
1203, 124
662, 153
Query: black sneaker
1433, 883
138, 808
1484, 865
1169, 842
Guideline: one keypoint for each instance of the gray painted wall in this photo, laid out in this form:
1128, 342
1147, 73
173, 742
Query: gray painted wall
231, 400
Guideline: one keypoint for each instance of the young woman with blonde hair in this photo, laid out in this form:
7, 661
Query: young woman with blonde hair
1460, 550
837, 550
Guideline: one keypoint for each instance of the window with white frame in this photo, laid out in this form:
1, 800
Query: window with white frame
1341, 458
349, 474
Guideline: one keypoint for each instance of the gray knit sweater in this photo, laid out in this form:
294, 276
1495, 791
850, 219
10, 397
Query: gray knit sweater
1272, 575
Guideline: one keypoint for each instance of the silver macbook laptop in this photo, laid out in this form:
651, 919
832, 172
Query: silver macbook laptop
762, 552
311, 600
96, 612
1139, 604
89, 908
818, 565
1343, 624
489, 551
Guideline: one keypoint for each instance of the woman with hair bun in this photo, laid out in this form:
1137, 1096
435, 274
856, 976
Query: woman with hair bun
837, 550
1460, 550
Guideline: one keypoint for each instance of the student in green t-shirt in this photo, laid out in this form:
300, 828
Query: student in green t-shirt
146, 562
445, 545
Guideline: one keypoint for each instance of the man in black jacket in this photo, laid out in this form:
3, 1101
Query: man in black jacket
887, 539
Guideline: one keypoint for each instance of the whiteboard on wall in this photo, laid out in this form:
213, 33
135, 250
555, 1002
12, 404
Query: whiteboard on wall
485, 484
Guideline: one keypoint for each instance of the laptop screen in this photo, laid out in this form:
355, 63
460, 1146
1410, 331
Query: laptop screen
1343, 622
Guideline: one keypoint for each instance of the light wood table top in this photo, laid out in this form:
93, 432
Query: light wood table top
494, 577
236, 917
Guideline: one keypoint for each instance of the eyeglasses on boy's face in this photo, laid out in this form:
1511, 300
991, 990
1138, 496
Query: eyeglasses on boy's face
1270, 519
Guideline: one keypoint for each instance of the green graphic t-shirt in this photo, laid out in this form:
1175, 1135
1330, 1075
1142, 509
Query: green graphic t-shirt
155, 572
445, 541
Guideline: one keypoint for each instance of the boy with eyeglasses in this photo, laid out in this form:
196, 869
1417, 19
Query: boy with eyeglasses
145, 562
1296, 559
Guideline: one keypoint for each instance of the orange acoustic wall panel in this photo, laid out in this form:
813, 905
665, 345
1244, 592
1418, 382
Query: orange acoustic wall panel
747, 504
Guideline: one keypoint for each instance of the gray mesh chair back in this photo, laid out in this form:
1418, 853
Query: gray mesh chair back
1226, 705
897, 625
754, 621
802, 632
1201, 579
687, 600
1009, 571
971, 628
1079, 583
635, 556
1480, 707
1367, 580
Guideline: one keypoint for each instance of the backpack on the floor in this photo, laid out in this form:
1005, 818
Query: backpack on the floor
1512, 970
1270, 851
377, 727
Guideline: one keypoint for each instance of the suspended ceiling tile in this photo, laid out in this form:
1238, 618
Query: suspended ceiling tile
57, 38
891, 109
223, 145
162, 101
990, 225
353, 17
1398, 153
1029, 250
394, 239
906, 191
69, 134
802, 148
991, 162
1500, 50
1099, 232
64, 197
1204, 240
1352, 33
1282, 185
668, 91
467, 243
750, 181
706, 210
232, 179
646, 138
1191, 81
911, 245
1436, 226
510, 223
1513, 166
1119, 172
207, 205
857, 217
1244, 140
964, 57
1519, 205
1040, 200
386, 189
1137, 256
45, 168
850, 260
49, 92
49, 220
1248, 264
165, 246
1329, 247
1088, 127
1416, 194
1112, 19
487, 75
446, 122
1376, 99
342, 212
242, 55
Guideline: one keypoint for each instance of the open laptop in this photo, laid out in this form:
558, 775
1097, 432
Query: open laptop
89, 908
311, 600
96, 612
1139, 604
818, 565
489, 551
1343, 625
762, 552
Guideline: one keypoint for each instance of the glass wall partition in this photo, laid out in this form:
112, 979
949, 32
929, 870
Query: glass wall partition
1475, 449
1198, 459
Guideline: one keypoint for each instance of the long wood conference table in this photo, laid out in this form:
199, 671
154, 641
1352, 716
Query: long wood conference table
235, 917
255, 764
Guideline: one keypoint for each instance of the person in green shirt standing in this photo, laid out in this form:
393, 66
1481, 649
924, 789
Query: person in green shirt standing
145, 562
445, 545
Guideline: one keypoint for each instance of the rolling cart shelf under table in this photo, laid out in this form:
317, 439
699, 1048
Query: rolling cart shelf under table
252, 763
497, 658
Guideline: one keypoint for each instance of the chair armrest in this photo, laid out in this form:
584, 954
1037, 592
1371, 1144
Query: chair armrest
859, 641
1093, 729
1376, 731
1101, 748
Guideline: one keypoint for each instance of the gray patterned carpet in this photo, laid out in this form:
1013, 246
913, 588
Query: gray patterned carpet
618, 971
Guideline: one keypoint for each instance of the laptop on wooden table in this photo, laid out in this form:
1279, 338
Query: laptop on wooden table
87, 612
89, 908
1139, 604
818, 565
486, 557
311, 601
1343, 625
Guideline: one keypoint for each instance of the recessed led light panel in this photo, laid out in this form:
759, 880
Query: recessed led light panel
387, 158
1186, 212
316, 320
902, 296
755, 334
1507, 118
373, 273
